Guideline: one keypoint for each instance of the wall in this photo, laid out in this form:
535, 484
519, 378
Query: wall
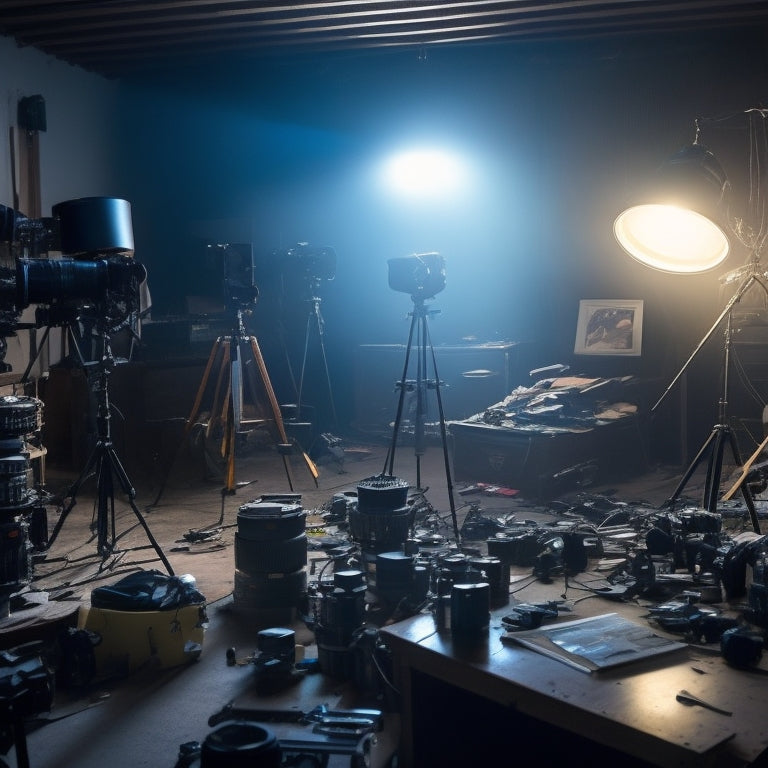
277, 151
77, 149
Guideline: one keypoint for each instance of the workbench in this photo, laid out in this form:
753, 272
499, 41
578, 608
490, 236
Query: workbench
502, 698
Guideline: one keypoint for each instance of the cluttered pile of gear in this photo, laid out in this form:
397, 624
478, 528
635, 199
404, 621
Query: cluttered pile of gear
384, 557
697, 577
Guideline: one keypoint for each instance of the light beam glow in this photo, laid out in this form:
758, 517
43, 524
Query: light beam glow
424, 173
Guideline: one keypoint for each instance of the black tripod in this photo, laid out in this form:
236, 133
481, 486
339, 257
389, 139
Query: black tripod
721, 435
106, 465
316, 328
419, 387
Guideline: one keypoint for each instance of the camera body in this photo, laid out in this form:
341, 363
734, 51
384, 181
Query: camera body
95, 275
421, 274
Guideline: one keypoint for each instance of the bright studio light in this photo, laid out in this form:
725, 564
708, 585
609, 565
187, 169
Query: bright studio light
670, 238
423, 173
674, 227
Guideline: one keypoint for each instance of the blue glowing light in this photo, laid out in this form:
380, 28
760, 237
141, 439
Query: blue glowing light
424, 173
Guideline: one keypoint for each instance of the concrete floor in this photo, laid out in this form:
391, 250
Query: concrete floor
142, 719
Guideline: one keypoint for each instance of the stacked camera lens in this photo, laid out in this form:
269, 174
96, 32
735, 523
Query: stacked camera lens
270, 560
341, 614
19, 507
381, 519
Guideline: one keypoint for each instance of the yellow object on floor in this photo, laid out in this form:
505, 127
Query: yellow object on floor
127, 640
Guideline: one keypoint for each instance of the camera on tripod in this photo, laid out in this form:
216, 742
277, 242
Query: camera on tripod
422, 274
303, 268
95, 275
234, 268
310, 263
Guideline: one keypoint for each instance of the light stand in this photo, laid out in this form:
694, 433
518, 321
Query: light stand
316, 328
107, 466
422, 384
721, 434
303, 269
676, 227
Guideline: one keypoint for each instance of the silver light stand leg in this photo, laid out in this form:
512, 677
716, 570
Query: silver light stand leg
721, 434
107, 465
420, 327
315, 321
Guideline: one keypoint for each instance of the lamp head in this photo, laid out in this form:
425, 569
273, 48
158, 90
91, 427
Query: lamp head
675, 229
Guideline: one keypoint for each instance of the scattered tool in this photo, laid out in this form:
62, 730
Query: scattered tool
694, 701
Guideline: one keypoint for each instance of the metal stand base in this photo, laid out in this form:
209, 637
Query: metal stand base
316, 327
714, 448
721, 434
106, 465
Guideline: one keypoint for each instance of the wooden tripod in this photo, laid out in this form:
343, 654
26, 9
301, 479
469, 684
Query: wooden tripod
237, 358
745, 470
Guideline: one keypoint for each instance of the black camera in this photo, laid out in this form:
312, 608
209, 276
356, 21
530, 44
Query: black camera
421, 274
235, 266
310, 263
95, 275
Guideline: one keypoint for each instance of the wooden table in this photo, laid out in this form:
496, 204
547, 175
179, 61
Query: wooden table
629, 711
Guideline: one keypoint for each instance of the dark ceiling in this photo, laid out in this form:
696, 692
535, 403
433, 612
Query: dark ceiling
124, 38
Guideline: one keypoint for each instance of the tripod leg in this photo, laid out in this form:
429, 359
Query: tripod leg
105, 512
286, 446
421, 393
112, 463
422, 403
400, 400
217, 346
229, 453
72, 494
715, 469
221, 393
236, 387
745, 491
192, 415
303, 367
692, 468
444, 439
321, 342
745, 471
318, 328
33, 358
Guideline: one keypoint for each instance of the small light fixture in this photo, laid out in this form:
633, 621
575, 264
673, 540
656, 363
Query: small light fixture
675, 228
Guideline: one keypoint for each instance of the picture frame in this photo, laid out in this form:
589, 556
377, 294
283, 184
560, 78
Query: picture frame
609, 327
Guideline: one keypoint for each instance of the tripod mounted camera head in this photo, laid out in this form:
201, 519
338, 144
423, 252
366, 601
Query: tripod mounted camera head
304, 268
421, 274
95, 277
234, 265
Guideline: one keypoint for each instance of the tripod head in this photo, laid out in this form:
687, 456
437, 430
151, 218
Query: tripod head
420, 308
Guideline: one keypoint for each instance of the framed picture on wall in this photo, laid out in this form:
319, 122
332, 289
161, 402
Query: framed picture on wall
609, 327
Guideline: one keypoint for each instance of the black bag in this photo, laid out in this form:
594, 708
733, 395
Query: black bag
147, 591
